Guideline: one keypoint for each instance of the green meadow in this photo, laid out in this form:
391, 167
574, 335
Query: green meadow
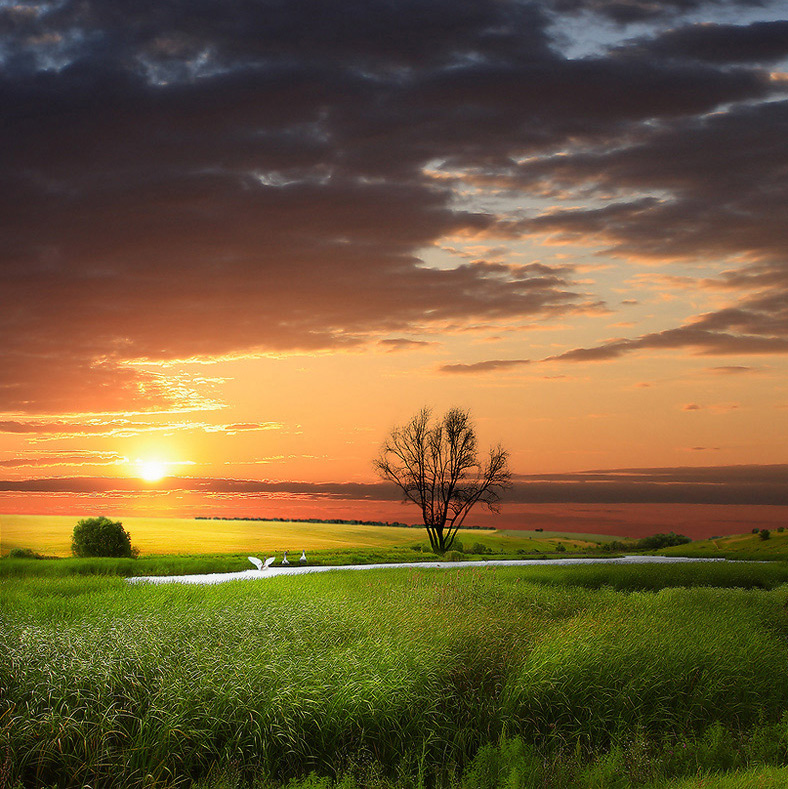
737, 546
554, 677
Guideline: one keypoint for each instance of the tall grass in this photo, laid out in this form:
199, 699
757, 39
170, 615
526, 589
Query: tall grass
412, 673
653, 577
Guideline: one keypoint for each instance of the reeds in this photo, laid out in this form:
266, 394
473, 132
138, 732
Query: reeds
107, 684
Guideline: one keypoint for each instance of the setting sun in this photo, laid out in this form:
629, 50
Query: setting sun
152, 470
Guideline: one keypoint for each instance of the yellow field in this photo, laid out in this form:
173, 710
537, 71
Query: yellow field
51, 535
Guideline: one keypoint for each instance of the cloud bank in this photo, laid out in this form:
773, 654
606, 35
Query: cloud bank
746, 484
202, 179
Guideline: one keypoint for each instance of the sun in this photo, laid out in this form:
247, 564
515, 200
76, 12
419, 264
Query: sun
152, 470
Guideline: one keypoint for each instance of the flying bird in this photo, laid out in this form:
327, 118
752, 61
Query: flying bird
259, 565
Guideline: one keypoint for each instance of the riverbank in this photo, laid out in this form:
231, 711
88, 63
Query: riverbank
275, 572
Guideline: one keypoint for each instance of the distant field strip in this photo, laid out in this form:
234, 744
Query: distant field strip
51, 535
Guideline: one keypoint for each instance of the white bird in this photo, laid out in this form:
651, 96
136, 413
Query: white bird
303, 557
284, 561
259, 565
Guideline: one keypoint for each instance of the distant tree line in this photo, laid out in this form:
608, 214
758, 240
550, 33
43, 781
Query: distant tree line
652, 543
349, 522
657, 541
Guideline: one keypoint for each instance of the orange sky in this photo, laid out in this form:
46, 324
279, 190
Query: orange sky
243, 249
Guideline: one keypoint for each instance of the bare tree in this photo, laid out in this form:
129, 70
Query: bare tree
435, 465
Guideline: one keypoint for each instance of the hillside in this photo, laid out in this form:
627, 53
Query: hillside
736, 546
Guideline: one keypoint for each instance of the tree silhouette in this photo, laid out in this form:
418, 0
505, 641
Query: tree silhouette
435, 465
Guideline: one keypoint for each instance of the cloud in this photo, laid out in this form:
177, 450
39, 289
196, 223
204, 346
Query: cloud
66, 458
720, 197
759, 42
188, 180
121, 428
733, 369
242, 427
743, 484
483, 367
401, 344
626, 12
738, 484
702, 342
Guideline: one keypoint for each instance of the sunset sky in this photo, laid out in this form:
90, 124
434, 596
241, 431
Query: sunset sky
242, 239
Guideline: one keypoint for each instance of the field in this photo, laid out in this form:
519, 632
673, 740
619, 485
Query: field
606, 677
737, 546
51, 536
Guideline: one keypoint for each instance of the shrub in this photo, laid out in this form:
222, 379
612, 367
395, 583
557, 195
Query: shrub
479, 550
101, 537
657, 541
765, 534
560, 548
23, 553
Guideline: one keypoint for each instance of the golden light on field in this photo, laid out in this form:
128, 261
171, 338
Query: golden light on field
152, 470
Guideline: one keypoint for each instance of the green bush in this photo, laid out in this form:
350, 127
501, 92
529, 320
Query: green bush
765, 534
479, 550
23, 553
657, 541
101, 537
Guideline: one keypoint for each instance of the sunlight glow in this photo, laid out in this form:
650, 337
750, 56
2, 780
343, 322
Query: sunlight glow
152, 470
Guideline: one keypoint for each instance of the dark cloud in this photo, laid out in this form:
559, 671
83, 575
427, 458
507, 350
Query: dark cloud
719, 178
202, 179
484, 367
758, 485
403, 344
732, 369
626, 12
741, 484
707, 343
759, 42
722, 197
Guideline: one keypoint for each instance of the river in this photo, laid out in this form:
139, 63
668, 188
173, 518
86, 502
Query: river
276, 572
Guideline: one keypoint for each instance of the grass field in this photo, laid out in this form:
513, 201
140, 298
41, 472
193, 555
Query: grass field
737, 546
51, 536
544, 677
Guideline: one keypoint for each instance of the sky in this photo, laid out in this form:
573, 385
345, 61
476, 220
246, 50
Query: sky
240, 240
